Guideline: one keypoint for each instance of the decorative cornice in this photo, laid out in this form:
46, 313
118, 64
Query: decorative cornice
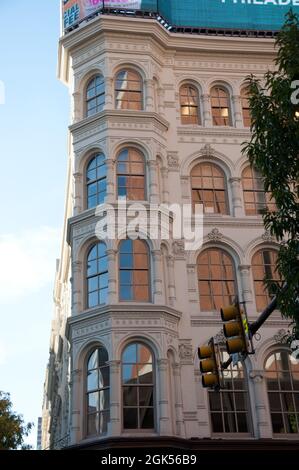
215, 235
267, 237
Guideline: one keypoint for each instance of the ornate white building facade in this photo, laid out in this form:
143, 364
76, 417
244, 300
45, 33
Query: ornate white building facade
161, 117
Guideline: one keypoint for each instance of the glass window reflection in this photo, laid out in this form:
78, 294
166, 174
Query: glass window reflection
97, 275
98, 401
138, 387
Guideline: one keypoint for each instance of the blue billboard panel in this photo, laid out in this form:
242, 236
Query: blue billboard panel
236, 14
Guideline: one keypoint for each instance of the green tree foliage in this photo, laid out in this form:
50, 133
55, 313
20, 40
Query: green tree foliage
13, 430
274, 151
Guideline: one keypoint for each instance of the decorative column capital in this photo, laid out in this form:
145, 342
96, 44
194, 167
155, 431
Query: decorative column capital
244, 268
235, 179
114, 366
77, 266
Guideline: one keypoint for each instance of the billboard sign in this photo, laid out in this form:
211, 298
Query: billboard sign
231, 14
76, 10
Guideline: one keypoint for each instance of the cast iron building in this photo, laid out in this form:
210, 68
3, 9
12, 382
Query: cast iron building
159, 115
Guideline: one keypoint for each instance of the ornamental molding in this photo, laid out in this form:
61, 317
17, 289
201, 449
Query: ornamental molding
215, 235
186, 351
219, 338
178, 249
173, 160
281, 336
267, 237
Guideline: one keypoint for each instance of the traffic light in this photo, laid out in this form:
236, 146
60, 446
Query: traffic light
209, 365
235, 328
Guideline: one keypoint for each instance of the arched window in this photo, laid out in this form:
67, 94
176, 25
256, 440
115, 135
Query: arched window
96, 173
97, 387
95, 95
134, 282
263, 267
282, 375
216, 279
97, 275
131, 175
189, 101
138, 387
220, 102
209, 189
255, 198
128, 90
229, 406
245, 107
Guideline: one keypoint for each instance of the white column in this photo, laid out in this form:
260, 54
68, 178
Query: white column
158, 277
111, 193
207, 117
149, 94
77, 301
171, 284
161, 102
238, 210
180, 426
246, 287
257, 387
112, 277
78, 108
191, 272
76, 430
78, 193
165, 424
114, 427
109, 93
153, 181
165, 191
238, 119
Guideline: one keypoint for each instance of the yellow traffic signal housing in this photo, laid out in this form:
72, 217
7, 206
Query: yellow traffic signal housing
234, 329
208, 365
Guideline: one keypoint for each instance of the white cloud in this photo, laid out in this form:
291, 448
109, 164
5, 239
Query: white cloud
27, 261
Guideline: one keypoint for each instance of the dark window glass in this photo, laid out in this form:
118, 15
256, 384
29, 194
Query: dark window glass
138, 387
98, 391
134, 282
95, 95
96, 173
282, 371
228, 407
216, 279
263, 267
97, 275
255, 198
208, 188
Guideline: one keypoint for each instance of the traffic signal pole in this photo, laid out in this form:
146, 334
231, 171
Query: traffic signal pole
253, 327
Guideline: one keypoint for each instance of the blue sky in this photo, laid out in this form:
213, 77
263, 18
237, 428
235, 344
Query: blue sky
33, 145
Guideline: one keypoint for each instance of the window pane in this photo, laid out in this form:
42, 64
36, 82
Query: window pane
130, 418
92, 380
93, 402
130, 396
217, 424
104, 377
146, 418
92, 424
146, 396
130, 374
